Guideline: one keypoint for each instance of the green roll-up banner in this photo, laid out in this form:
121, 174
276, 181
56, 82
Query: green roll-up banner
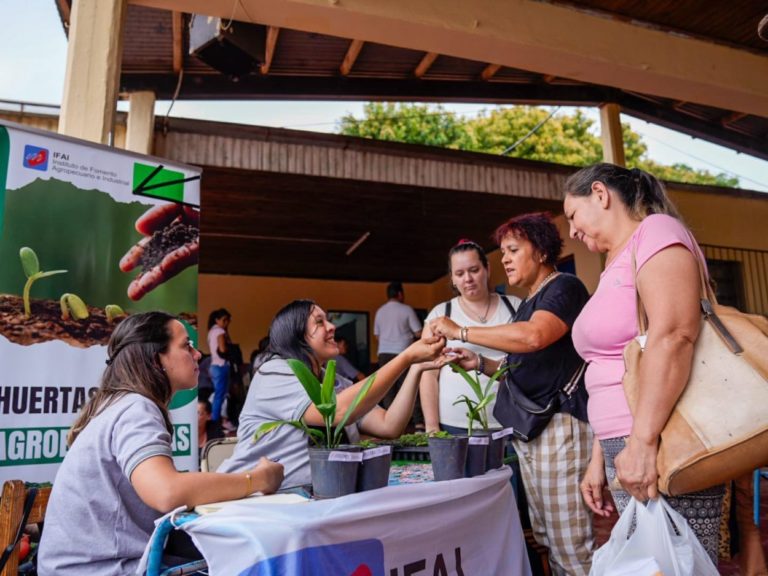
73, 207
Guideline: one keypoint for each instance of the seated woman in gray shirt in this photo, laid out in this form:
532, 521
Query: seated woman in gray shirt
118, 476
301, 330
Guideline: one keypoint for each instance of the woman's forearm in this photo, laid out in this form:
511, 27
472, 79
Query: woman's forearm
663, 374
429, 393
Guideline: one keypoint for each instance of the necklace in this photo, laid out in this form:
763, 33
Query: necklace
541, 285
480, 318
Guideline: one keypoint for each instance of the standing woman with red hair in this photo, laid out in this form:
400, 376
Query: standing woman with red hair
554, 454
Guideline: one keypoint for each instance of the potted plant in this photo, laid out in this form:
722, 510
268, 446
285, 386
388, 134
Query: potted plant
448, 454
485, 452
374, 469
334, 469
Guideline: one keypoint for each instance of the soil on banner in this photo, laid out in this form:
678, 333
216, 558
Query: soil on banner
165, 241
46, 323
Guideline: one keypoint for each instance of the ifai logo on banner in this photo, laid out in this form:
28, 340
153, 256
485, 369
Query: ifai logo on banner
35, 158
360, 558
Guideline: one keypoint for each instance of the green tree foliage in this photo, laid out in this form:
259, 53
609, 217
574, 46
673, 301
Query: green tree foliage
568, 139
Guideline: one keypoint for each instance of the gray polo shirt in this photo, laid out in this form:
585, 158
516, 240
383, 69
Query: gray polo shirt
276, 394
395, 325
95, 522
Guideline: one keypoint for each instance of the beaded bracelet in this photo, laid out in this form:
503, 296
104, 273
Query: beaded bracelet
480, 364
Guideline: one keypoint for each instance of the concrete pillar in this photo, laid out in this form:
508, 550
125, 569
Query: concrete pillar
610, 133
141, 122
93, 69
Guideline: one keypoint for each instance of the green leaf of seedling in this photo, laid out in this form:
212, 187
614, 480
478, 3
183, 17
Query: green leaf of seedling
473, 383
328, 409
355, 403
327, 391
29, 262
266, 428
485, 401
46, 274
309, 381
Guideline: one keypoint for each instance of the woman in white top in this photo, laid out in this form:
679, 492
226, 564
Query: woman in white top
475, 305
218, 338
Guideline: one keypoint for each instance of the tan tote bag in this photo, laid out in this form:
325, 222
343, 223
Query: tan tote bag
718, 430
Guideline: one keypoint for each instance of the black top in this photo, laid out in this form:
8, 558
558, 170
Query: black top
539, 374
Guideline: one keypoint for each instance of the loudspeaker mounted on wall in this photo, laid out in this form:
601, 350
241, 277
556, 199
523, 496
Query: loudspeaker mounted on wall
235, 49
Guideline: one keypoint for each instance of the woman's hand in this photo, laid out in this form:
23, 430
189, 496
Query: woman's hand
636, 468
461, 356
592, 487
444, 326
424, 350
267, 476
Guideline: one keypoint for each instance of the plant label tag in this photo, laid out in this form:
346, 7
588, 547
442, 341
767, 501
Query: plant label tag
478, 440
338, 456
376, 452
503, 433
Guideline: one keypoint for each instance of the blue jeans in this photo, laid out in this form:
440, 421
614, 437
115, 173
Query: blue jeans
220, 378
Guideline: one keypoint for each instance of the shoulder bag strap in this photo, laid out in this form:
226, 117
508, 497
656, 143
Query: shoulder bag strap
448, 308
509, 306
707, 296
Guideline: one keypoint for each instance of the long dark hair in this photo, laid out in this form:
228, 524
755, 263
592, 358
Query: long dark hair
216, 314
287, 335
642, 193
133, 366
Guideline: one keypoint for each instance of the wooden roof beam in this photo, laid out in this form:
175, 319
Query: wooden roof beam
589, 48
425, 64
731, 118
349, 59
490, 71
177, 26
269, 52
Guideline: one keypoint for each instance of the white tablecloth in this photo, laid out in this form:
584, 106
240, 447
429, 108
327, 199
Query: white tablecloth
461, 527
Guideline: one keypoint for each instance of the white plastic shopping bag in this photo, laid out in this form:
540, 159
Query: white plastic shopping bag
654, 548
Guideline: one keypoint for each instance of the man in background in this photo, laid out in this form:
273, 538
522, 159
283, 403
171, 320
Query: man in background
395, 327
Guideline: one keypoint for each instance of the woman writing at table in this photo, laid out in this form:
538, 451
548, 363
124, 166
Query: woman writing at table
118, 475
539, 344
301, 330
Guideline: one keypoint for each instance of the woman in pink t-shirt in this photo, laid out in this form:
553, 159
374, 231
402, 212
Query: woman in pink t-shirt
622, 212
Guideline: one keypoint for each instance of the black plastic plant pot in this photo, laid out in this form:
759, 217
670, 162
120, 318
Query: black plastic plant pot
495, 457
374, 469
334, 472
449, 456
476, 455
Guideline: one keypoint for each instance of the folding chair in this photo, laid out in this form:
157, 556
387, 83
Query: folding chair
215, 452
16, 501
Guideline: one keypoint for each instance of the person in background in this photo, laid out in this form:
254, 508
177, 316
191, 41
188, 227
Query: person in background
343, 366
627, 215
474, 305
302, 331
396, 326
218, 339
207, 429
118, 475
543, 360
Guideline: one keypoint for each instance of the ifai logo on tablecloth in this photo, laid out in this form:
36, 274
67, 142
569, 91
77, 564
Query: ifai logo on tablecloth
360, 558
35, 158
